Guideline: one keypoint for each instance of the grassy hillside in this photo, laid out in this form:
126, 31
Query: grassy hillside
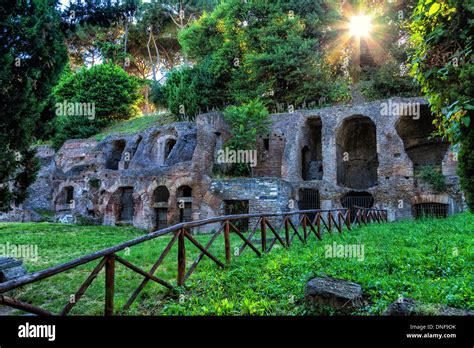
136, 124
429, 260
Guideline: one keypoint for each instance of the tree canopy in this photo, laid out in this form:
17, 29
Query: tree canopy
33, 56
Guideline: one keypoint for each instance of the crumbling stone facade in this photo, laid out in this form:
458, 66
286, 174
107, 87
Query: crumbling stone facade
165, 174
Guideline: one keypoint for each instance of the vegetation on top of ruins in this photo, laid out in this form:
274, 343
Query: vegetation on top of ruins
247, 122
428, 260
136, 125
433, 177
275, 51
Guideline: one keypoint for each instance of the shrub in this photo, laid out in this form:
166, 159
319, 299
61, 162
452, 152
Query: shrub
111, 94
433, 177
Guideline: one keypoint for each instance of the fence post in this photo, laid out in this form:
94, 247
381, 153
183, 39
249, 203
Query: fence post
330, 221
263, 233
304, 227
348, 219
109, 285
181, 257
287, 232
318, 223
227, 241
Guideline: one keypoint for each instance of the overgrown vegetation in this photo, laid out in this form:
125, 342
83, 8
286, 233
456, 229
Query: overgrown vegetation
428, 260
433, 177
441, 63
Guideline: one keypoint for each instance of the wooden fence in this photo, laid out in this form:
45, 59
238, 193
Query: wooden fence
293, 224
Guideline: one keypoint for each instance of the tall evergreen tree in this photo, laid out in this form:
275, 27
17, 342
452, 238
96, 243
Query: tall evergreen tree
33, 55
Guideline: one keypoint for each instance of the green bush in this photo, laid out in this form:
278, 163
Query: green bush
111, 95
433, 177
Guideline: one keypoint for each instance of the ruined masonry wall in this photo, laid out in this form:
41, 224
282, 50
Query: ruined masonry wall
85, 165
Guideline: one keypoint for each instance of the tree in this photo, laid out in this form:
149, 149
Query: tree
104, 93
98, 29
268, 50
380, 64
442, 41
247, 121
33, 55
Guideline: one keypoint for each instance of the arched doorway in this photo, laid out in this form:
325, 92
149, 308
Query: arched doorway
160, 205
356, 153
422, 149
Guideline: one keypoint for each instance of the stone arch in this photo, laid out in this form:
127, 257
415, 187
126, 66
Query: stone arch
417, 142
162, 147
356, 153
123, 206
115, 154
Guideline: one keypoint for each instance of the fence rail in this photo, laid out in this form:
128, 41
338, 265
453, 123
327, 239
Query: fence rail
294, 224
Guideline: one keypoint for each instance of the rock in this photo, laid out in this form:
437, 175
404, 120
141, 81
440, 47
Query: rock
10, 268
409, 306
14, 272
65, 218
9, 262
401, 307
339, 294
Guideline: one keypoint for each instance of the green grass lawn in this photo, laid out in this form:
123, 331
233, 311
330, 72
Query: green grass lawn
429, 260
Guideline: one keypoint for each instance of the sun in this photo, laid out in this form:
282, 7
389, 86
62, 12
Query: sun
360, 26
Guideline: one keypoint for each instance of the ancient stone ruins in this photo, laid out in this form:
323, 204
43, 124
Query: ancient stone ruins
364, 154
